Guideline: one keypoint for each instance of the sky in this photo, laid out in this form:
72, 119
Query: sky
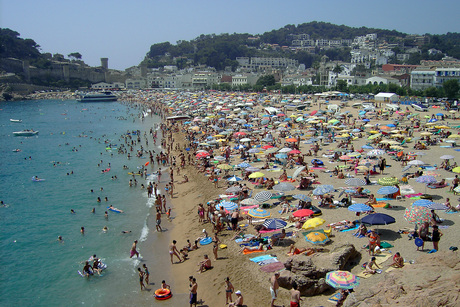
123, 31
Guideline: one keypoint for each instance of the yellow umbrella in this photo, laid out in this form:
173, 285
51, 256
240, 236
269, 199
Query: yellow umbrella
221, 140
373, 131
256, 175
312, 223
456, 169
224, 166
442, 127
397, 147
219, 136
454, 136
426, 133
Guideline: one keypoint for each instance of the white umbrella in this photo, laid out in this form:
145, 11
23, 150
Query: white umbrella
446, 157
416, 162
297, 171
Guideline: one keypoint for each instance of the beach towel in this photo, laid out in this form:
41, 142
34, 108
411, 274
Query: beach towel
246, 252
249, 207
251, 244
273, 267
383, 199
335, 298
267, 231
261, 258
380, 204
349, 229
272, 260
413, 195
239, 240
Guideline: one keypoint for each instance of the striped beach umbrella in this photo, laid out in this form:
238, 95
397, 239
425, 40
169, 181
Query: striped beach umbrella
249, 202
274, 224
437, 206
386, 181
233, 189
422, 202
244, 165
355, 182
252, 169
234, 179
263, 196
375, 152
224, 166
342, 280
259, 213
228, 205
390, 189
302, 197
426, 179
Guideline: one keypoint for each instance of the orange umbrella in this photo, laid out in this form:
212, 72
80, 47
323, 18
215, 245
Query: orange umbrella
291, 140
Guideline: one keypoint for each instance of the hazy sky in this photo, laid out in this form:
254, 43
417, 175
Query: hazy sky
124, 30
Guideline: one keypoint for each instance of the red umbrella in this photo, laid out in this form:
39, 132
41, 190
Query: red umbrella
314, 112
303, 213
267, 146
240, 133
294, 152
202, 155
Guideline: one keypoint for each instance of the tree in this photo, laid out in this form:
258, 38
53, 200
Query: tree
451, 88
75, 55
430, 92
341, 85
267, 80
337, 69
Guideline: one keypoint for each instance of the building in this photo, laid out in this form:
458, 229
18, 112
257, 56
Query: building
136, 83
381, 80
386, 97
262, 63
443, 74
105, 86
398, 68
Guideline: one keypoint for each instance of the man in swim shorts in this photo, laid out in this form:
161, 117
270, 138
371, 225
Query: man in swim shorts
158, 221
193, 293
274, 286
295, 296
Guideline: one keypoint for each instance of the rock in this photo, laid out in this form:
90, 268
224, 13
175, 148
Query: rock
434, 280
309, 272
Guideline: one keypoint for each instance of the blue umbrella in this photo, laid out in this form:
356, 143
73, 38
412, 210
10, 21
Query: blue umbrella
360, 208
437, 206
323, 189
281, 156
228, 205
275, 224
426, 179
234, 179
439, 114
244, 165
378, 219
390, 189
367, 147
302, 197
422, 202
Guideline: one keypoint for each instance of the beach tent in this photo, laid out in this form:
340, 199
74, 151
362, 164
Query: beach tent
386, 97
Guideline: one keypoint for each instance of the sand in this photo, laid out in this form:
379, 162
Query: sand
246, 275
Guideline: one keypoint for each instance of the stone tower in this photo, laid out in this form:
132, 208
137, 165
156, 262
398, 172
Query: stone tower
105, 63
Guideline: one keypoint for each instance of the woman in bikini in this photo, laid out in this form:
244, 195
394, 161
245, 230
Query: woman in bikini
228, 291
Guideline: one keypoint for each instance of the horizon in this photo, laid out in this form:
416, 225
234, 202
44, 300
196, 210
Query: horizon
96, 29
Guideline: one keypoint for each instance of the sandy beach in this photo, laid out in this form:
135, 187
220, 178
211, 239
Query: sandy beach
246, 275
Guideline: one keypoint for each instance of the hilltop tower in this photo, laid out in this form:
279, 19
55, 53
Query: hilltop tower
105, 63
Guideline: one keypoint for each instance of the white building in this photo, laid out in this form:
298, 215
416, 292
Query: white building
386, 97
105, 86
136, 83
421, 79
381, 80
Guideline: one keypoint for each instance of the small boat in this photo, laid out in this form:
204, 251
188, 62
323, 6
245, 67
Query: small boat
98, 97
15, 120
25, 133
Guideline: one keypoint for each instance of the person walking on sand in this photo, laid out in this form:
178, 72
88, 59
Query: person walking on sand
435, 237
193, 292
295, 296
141, 278
274, 286
228, 290
146, 273
158, 221
134, 250
173, 251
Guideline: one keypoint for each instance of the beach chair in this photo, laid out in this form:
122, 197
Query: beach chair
328, 232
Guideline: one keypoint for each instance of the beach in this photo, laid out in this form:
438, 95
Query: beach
346, 132
246, 275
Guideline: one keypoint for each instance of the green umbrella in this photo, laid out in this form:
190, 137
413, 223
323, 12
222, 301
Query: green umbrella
385, 181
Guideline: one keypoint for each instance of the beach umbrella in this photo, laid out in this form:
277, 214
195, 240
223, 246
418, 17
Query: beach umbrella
416, 162
418, 215
313, 223
456, 169
294, 152
274, 224
386, 181
422, 202
291, 140
303, 213
263, 196
387, 190
234, 179
323, 189
201, 155
224, 166
283, 187
233, 189
446, 157
359, 208
285, 149
355, 182
281, 156
245, 140
297, 171
426, 179
378, 219
256, 175
302, 197
342, 280
219, 158
316, 237
249, 202
228, 205
375, 152
437, 206
252, 169
259, 213
244, 165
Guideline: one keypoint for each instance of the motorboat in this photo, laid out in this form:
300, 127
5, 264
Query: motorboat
25, 133
15, 120
98, 97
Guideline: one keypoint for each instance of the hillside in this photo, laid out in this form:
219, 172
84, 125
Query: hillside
220, 51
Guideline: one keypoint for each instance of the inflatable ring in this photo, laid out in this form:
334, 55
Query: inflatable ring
163, 294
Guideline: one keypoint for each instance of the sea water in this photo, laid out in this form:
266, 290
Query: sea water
70, 152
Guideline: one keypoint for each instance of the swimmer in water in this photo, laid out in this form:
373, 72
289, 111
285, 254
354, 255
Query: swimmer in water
126, 231
106, 215
94, 210
72, 211
105, 229
82, 230
60, 239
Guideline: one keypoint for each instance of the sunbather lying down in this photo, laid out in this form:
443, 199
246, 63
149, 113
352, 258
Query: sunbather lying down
308, 251
260, 247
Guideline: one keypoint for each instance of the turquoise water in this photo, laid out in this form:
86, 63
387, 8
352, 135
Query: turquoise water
37, 269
